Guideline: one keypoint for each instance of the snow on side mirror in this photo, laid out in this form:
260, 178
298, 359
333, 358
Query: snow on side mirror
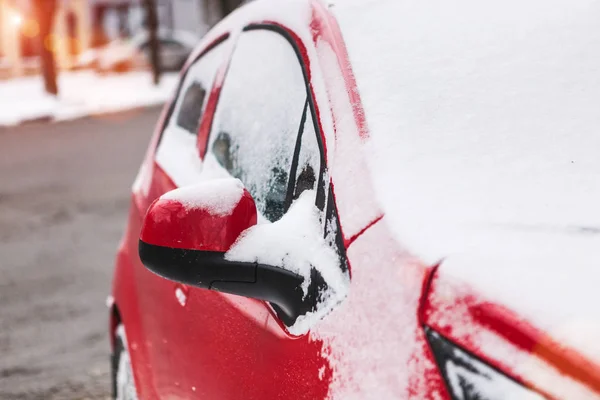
297, 244
206, 236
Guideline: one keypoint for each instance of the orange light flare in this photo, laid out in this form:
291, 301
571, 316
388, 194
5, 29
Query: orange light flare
16, 19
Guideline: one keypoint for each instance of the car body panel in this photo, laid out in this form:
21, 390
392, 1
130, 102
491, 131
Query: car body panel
234, 326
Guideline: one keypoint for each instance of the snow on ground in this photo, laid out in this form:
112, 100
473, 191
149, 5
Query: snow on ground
80, 93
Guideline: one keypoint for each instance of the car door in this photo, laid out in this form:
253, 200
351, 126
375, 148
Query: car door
265, 133
163, 313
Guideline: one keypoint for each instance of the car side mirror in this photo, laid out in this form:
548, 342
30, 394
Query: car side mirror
186, 233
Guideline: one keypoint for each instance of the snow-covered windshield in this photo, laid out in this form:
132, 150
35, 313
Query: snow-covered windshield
483, 116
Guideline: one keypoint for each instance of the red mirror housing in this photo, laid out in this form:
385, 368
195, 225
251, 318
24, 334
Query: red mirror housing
187, 231
209, 216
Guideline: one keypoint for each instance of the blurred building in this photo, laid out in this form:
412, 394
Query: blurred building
81, 24
19, 34
123, 18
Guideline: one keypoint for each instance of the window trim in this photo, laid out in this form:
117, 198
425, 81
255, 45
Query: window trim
289, 197
325, 202
321, 196
165, 122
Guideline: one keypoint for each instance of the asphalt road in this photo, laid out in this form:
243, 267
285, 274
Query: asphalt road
64, 195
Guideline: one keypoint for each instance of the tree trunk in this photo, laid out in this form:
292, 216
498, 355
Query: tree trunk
228, 6
45, 12
152, 25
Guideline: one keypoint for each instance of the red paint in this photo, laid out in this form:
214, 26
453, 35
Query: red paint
325, 27
171, 223
348, 242
530, 339
422, 310
211, 106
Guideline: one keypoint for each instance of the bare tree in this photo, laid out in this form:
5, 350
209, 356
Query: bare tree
228, 6
212, 11
45, 12
152, 25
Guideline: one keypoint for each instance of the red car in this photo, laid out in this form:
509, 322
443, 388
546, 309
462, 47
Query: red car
371, 200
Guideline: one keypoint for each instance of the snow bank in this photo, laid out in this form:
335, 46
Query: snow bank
118, 51
81, 94
218, 196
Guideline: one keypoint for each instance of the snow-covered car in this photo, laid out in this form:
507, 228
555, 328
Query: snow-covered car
371, 200
134, 53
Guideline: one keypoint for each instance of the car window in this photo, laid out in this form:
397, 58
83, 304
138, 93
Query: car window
265, 133
190, 110
177, 152
258, 117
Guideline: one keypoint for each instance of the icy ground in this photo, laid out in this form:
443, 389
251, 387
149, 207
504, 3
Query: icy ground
80, 94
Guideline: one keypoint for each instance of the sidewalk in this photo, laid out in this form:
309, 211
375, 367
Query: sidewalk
80, 93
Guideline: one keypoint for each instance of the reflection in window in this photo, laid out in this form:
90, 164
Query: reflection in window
191, 108
221, 148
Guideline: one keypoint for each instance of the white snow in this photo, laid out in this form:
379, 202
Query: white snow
80, 94
109, 302
180, 296
185, 38
120, 50
296, 243
481, 115
373, 340
246, 114
484, 137
116, 52
345, 159
218, 196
